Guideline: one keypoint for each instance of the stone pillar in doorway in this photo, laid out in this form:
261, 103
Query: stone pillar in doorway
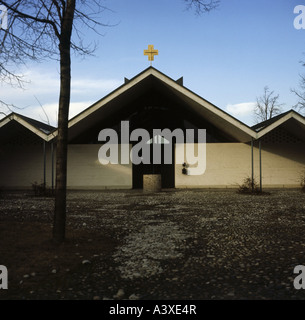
152, 182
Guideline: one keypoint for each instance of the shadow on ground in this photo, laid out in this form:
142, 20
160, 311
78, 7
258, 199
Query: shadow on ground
183, 244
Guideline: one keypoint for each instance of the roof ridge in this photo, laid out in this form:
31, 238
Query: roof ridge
266, 123
41, 126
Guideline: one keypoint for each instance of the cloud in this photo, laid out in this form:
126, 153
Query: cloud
48, 113
42, 82
241, 109
48, 83
244, 112
83, 86
43, 89
45, 86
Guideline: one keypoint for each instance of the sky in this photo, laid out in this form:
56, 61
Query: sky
226, 56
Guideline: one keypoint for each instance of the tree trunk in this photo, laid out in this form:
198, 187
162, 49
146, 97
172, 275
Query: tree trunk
59, 227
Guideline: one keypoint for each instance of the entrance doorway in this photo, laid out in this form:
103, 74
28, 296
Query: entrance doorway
167, 171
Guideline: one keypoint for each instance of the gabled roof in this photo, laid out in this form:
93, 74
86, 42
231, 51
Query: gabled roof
40, 129
262, 125
291, 120
114, 101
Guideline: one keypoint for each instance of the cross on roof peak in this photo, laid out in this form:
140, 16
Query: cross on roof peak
151, 53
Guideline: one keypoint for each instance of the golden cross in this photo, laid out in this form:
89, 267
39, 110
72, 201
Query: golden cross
151, 53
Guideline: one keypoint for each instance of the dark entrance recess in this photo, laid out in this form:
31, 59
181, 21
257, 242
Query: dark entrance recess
150, 118
167, 171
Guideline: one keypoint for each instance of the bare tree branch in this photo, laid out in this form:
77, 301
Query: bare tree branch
34, 30
7, 106
300, 94
42, 29
267, 106
202, 6
36, 18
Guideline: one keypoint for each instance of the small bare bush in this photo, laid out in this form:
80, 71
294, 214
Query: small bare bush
41, 190
249, 187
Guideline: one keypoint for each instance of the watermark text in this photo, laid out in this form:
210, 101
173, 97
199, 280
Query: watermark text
299, 281
148, 150
3, 277
299, 21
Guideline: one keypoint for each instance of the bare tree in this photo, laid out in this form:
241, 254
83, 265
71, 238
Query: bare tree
300, 93
267, 106
40, 29
202, 6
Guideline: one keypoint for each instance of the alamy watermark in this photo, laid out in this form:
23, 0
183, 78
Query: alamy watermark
3, 277
186, 148
299, 21
299, 281
3, 17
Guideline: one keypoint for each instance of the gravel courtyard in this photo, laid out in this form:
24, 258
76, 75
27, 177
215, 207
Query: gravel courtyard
180, 244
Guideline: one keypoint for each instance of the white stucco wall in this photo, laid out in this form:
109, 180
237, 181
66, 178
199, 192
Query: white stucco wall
226, 167
228, 164
282, 164
86, 172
